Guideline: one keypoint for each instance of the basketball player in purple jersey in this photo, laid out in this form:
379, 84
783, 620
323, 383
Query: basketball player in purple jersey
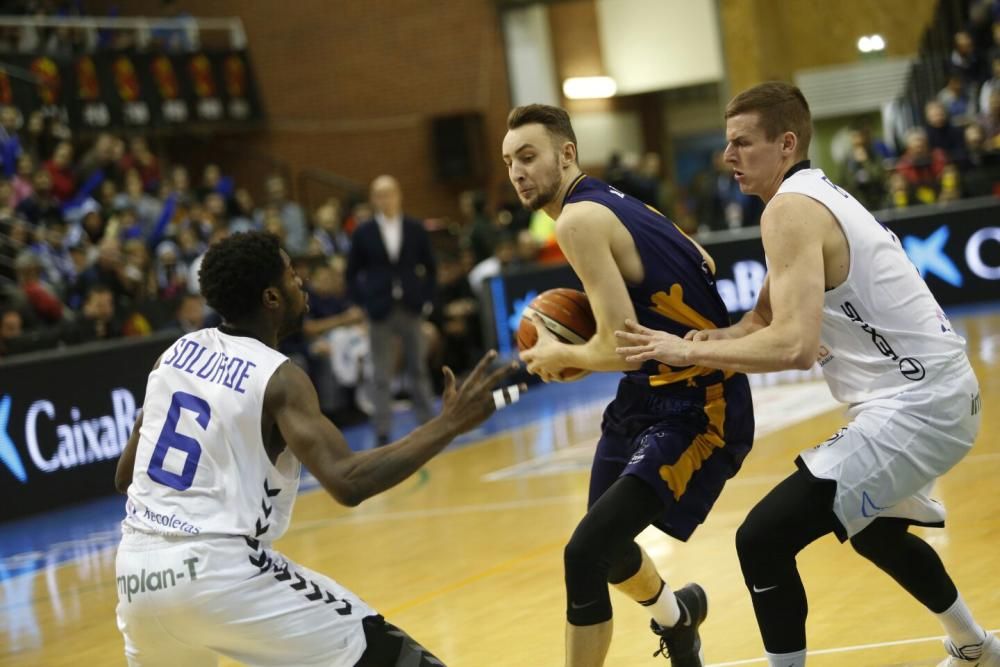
673, 435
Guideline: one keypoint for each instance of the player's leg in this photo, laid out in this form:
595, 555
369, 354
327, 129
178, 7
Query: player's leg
794, 514
382, 355
918, 569
149, 644
415, 346
388, 646
605, 537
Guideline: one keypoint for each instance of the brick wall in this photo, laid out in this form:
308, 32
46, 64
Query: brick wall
350, 86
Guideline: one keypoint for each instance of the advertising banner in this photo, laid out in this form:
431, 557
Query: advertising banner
64, 420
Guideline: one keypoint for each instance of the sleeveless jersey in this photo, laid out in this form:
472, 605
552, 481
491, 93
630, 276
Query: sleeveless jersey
883, 332
201, 467
677, 292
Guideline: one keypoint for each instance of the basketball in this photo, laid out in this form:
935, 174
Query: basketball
567, 314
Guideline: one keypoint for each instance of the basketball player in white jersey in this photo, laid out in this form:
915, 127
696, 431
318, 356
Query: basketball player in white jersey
212, 470
841, 291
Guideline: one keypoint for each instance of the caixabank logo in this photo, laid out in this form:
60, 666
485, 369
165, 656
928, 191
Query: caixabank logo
981, 254
51, 439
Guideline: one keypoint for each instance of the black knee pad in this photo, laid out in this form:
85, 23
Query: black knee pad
587, 599
626, 565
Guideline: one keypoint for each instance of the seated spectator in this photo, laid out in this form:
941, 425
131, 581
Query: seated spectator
102, 157
10, 142
41, 298
60, 168
331, 238
941, 134
147, 207
965, 60
862, 172
6, 199
42, 203
97, 319
241, 212
190, 313
22, 180
958, 98
108, 271
992, 84
336, 339
14, 237
481, 233
921, 166
990, 120
171, 271
456, 316
50, 247
11, 327
951, 185
900, 194
292, 218
144, 162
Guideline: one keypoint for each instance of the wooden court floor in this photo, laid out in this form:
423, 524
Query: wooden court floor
467, 556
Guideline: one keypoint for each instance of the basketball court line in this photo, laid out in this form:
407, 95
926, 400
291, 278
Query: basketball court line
846, 649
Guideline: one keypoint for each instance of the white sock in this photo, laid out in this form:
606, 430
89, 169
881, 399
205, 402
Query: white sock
664, 608
797, 659
964, 632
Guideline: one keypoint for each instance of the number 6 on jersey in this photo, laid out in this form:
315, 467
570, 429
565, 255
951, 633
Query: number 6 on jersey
169, 437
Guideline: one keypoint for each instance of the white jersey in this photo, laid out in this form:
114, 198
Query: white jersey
883, 333
201, 467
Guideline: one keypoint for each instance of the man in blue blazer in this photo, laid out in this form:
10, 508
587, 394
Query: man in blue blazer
392, 275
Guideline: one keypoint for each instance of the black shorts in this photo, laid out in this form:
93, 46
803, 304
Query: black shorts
388, 646
685, 441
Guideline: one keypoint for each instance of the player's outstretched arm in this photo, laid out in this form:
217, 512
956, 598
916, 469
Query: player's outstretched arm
753, 320
351, 477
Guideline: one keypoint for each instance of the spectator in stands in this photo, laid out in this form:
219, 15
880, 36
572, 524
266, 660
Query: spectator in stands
179, 183
42, 203
6, 199
990, 121
10, 142
921, 166
41, 298
941, 134
481, 232
290, 213
456, 316
958, 98
392, 274
50, 247
190, 313
328, 235
241, 212
100, 158
989, 85
14, 237
966, 60
147, 208
862, 173
98, 319
22, 181
171, 271
337, 341
900, 194
60, 167
11, 327
951, 185
144, 162
993, 53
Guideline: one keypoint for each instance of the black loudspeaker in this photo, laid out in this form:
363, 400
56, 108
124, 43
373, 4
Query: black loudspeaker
458, 143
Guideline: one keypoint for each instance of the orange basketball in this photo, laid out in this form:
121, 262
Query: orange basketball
567, 314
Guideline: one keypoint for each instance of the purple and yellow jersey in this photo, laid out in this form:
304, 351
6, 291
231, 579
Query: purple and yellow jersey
678, 291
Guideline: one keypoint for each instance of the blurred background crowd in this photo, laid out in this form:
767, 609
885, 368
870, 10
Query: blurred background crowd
101, 235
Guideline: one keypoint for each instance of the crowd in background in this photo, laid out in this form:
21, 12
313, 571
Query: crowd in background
101, 238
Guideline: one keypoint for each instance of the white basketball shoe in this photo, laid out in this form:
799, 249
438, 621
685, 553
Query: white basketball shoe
986, 654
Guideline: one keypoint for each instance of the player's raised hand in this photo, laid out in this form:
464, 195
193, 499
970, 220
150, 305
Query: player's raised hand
639, 343
466, 405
